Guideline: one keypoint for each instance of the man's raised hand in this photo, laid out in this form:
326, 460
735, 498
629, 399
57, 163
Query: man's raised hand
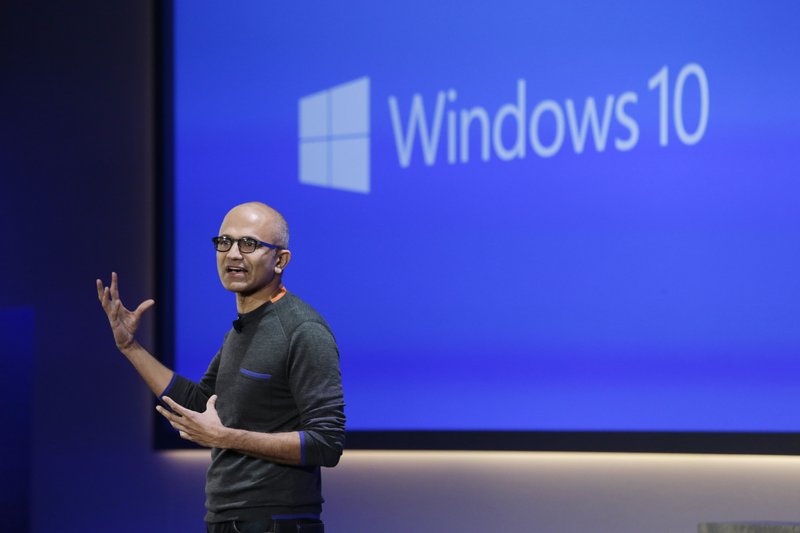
123, 321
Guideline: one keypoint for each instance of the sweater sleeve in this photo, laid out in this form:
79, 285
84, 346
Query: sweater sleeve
316, 383
194, 395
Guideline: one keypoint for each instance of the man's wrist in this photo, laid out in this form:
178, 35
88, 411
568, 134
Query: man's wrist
226, 438
128, 347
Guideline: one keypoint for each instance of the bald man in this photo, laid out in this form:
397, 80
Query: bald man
270, 405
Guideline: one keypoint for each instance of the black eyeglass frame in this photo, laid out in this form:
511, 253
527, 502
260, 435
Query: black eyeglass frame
247, 241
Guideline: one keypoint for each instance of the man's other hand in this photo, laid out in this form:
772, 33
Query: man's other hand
204, 428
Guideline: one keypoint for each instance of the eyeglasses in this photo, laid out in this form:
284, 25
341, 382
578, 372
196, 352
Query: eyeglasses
247, 245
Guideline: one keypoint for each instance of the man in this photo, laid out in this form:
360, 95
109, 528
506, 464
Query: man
270, 404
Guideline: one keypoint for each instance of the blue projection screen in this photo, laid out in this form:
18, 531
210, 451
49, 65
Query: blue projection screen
516, 216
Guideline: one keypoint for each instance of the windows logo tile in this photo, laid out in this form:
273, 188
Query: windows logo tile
334, 137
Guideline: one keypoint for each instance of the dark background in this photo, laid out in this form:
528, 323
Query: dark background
77, 165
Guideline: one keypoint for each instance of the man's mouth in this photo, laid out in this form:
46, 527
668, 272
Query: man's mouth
234, 269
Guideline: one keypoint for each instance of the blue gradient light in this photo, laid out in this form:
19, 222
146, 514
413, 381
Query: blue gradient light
653, 287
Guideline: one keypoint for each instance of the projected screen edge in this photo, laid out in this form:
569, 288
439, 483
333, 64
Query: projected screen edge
593, 440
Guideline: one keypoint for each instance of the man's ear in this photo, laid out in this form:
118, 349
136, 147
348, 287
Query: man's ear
284, 256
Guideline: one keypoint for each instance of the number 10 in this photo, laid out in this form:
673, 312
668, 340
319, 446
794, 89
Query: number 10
661, 80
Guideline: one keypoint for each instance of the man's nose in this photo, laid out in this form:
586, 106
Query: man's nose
234, 252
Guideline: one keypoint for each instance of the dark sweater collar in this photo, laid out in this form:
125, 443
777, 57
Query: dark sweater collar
258, 312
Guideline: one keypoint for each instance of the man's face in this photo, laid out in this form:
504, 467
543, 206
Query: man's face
247, 274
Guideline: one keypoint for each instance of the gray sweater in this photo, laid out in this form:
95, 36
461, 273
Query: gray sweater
279, 372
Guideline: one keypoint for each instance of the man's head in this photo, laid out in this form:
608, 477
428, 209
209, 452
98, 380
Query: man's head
257, 273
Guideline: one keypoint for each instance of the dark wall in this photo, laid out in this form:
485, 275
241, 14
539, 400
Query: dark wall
77, 167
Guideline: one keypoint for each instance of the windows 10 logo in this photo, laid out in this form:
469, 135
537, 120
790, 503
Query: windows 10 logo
334, 137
